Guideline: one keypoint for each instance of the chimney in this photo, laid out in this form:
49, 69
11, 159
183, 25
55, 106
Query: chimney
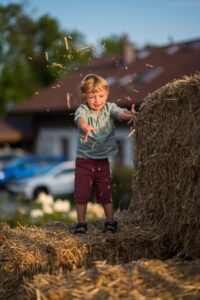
129, 54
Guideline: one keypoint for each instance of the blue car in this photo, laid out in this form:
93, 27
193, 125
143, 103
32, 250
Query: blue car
27, 166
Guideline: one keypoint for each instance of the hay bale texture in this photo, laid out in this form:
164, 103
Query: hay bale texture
140, 280
51, 263
27, 251
166, 179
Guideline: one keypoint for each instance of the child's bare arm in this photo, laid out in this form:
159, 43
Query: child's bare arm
81, 123
130, 116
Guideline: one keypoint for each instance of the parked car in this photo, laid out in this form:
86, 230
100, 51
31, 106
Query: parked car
27, 166
7, 155
57, 180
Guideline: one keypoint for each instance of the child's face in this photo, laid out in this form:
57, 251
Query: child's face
96, 100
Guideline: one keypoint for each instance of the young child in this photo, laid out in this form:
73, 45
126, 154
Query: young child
96, 143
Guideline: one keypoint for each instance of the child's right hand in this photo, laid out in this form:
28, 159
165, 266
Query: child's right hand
87, 129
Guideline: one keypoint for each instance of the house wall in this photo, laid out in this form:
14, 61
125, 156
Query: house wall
125, 145
51, 141
63, 141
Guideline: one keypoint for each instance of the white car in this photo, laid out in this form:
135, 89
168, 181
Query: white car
58, 180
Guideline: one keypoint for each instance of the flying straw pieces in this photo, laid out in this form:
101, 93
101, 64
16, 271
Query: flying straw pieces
46, 56
68, 100
130, 134
166, 180
66, 43
57, 65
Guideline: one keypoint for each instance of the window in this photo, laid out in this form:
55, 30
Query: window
173, 49
149, 75
193, 46
110, 80
142, 54
126, 79
65, 171
65, 148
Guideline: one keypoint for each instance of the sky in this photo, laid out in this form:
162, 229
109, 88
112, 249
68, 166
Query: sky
143, 21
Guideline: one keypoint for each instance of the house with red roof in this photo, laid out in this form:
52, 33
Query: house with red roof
131, 77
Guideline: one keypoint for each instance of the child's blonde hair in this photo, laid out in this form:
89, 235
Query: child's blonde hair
92, 83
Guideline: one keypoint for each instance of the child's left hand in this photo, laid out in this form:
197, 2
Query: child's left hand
133, 114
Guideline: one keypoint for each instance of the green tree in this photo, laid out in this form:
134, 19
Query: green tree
148, 46
34, 54
112, 45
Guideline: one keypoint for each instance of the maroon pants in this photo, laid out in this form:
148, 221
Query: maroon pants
89, 173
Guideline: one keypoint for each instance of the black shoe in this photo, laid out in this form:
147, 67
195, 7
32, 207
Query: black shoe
81, 231
110, 226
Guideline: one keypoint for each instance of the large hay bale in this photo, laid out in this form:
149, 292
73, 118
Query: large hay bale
166, 180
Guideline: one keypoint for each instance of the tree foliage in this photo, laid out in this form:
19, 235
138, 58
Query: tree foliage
34, 54
112, 45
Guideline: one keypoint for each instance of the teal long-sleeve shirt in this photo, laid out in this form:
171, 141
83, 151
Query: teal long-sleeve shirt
102, 143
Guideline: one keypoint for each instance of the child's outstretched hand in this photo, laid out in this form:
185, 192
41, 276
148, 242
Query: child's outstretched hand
133, 113
87, 129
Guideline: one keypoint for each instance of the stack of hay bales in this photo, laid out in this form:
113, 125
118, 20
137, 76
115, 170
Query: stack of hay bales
166, 179
25, 252
51, 263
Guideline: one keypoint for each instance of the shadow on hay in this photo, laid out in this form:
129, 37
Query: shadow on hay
160, 280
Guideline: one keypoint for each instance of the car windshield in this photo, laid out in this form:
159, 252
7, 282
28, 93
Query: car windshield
46, 170
43, 162
54, 168
64, 171
13, 162
5, 159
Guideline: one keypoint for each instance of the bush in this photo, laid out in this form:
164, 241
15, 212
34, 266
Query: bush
122, 187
